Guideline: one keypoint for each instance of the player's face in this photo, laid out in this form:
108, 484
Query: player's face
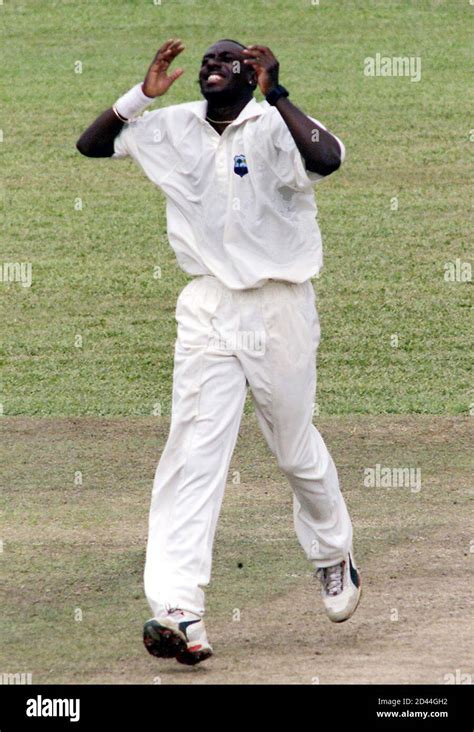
223, 74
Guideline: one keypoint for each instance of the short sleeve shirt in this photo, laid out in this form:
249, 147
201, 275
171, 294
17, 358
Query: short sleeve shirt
240, 206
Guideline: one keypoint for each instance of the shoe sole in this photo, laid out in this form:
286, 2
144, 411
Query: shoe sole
162, 642
343, 620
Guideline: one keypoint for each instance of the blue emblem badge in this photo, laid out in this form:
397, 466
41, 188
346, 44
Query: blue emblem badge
240, 165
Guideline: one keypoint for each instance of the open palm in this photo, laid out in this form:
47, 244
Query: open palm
157, 81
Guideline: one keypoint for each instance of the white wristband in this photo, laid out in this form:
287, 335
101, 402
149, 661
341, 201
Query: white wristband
132, 102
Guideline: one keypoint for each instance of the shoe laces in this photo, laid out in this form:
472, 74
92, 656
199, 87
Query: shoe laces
332, 579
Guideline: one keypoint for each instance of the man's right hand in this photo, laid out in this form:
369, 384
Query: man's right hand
157, 82
98, 140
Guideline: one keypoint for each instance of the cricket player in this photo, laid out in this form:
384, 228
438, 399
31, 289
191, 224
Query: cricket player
241, 218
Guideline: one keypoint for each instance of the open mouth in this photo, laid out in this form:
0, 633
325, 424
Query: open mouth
215, 77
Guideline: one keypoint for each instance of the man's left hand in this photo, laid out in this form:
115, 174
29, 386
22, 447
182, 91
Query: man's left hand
265, 65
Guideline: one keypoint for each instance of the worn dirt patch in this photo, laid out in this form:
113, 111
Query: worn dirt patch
73, 557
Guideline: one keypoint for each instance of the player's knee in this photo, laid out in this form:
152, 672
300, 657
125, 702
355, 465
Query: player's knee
289, 465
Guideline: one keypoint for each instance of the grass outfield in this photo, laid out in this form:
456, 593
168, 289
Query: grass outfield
93, 268
87, 350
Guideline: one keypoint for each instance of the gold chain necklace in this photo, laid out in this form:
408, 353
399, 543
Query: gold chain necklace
220, 121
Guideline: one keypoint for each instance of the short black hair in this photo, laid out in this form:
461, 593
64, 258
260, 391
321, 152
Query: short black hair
231, 40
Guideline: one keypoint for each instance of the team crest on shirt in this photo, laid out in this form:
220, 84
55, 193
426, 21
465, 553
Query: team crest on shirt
240, 165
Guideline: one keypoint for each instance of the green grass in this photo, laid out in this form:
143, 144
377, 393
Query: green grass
93, 268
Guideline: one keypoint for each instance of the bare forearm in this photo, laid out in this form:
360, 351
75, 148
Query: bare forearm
98, 140
320, 150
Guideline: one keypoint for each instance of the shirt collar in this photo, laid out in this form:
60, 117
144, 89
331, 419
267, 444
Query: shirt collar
251, 109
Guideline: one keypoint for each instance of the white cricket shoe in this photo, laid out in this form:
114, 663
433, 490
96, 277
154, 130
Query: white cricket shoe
341, 589
178, 634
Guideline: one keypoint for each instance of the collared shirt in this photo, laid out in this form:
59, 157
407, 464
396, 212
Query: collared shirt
240, 206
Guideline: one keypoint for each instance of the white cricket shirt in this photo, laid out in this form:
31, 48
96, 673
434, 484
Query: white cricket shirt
240, 206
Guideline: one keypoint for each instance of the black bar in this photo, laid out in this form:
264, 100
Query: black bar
447, 707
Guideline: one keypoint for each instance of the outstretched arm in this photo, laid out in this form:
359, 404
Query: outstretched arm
319, 149
98, 140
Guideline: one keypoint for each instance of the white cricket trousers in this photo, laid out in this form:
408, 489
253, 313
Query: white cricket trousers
265, 338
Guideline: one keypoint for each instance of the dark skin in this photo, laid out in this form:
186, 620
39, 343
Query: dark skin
227, 79
98, 140
227, 96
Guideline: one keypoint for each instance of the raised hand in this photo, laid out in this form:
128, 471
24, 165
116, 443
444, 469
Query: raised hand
265, 65
157, 81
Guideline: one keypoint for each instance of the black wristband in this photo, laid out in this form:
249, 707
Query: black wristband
275, 94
